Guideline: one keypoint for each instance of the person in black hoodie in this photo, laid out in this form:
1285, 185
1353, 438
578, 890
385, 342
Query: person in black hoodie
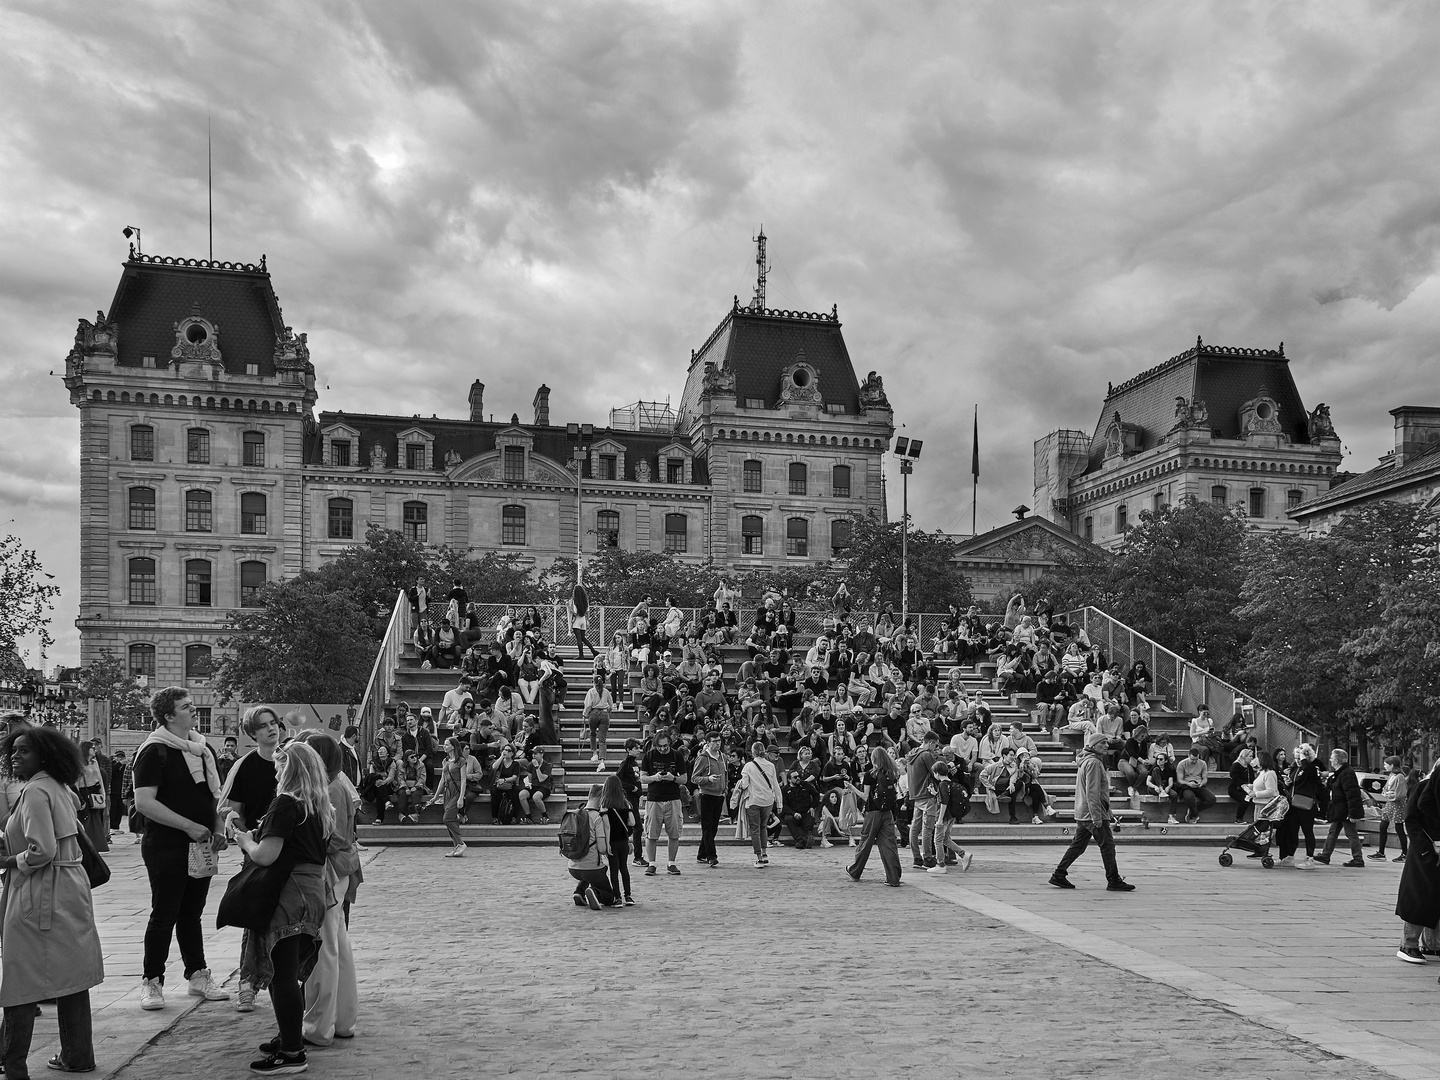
1346, 808
629, 773
802, 796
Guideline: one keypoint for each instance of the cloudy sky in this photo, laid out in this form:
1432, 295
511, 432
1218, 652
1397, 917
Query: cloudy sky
1011, 204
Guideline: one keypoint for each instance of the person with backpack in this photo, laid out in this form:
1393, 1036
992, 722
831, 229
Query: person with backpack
954, 796
585, 844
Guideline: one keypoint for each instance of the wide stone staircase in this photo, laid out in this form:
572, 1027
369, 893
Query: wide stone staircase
1142, 819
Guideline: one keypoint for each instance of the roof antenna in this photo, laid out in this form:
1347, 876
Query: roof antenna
763, 268
210, 186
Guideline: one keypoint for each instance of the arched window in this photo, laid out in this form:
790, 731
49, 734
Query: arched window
198, 514
797, 536
197, 446
752, 532
416, 520
797, 478
142, 581
677, 533
142, 508
512, 524
252, 580
754, 474
342, 519
197, 583
840, 481
252, 513
1219, 495
1122, 517
840, 537
607, 528
253, 443
142, 443
142, 661
199, 664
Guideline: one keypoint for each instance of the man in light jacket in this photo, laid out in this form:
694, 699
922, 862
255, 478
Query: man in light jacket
1092, 817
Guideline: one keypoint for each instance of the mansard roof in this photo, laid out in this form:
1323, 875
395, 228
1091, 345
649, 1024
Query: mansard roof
471, 438
156, 292
757, 345
1221, 376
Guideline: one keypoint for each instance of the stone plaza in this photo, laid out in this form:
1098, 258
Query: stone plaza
482, 966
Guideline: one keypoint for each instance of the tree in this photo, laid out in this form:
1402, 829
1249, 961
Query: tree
494, 578
108, 679
373, 573
303, 643
26, 598
1396, 664
872, 567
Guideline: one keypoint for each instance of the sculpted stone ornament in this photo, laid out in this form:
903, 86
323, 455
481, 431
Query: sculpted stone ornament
642, 471
1191, 414
377, 457
800, 383
872, 393
197, 340
292, 353
1319, 423
718, 380
1260, 415
452, 458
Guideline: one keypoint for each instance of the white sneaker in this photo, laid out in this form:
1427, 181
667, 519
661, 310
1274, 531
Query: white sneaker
938, 868
203, 986
152, 995
1308, 864
245, 1000
1171, 820
825, 842
1288, 860
966, 860
595, 757
459, 852
759, 862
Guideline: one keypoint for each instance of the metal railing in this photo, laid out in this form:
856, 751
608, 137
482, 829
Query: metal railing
382, 675
1185, 684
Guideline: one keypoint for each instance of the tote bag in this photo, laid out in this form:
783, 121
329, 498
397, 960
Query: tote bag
253, 894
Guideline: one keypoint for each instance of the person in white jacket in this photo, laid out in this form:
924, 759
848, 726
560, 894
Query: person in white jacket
759, 788
596, 710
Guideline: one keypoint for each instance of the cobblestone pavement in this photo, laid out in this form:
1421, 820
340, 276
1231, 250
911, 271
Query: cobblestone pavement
483, 967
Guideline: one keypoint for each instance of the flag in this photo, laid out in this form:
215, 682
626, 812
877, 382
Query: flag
975, 447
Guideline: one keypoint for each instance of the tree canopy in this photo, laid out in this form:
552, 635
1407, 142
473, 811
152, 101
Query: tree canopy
27, 597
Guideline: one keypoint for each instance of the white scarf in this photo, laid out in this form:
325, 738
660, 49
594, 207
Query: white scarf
197, 756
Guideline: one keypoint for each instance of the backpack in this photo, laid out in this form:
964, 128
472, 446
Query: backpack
957, 802
575, 839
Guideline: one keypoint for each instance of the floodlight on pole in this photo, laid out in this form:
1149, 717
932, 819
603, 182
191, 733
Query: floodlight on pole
908, 451
581, 434
133, 230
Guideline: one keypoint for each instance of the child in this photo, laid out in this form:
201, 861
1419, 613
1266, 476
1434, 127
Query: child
954, 796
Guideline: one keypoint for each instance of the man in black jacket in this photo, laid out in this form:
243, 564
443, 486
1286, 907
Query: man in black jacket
1346, 808
802, 796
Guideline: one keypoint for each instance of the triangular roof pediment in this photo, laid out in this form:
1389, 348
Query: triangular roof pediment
1019, 539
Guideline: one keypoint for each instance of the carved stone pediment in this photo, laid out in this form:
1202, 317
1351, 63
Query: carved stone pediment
197, 340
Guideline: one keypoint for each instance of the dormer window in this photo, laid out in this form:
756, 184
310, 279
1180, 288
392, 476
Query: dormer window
514, 459
416, 449
342, 445
415, 456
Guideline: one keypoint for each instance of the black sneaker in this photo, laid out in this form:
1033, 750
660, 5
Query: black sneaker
279, 1063
638, 861
1410, 956
1354, 862
1119, 886
671, 869
1060, 881
579, 902
1323, 860
592, 898
650, 870
714, 863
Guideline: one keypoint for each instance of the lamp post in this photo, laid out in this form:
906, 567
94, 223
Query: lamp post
581, 434
907, 450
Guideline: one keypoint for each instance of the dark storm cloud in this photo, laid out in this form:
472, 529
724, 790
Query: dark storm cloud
1011, 204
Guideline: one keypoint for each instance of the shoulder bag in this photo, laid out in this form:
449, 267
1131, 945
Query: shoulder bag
253, 894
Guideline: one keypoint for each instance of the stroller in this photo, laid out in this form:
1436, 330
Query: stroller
1256, 838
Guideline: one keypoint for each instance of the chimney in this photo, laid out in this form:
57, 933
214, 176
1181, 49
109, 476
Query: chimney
477, 401
542, 406
1417, 429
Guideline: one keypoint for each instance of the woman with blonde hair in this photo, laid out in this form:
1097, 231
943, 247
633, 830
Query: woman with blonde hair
294, 834
879, 825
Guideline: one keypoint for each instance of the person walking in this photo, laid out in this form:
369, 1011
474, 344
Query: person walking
621, 818
177, 788
599, 703
1092, 818
758, 790
94, 814
927, 835
294, 833
1418, 902
1347, 807
1392, 806
878, 828
710, 776
591, 868
452, 793
117, 785
332, 995
51, 949
1302, 787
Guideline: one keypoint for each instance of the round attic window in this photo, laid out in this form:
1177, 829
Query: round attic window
196, 333
800, 377
1264, 410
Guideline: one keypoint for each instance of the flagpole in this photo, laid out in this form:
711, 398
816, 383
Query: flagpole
975, 471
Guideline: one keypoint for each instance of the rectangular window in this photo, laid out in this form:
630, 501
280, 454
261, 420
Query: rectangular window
840, 538
252, 369
203, 717
252, 513
1219, 495
342, 519
252, 580
142, 661
754, 403
835, 408
415, 455
1257, 502
1159, 502
754, 476
512, 525
197, 583
142, 508
674, 470
142, 443
197, 447
752, 532
340, 453
198, 515
198, 663
515, 464
840, 481
416, 520
1292, 499
797, 537
254, 449
677, 533
147, 361
142, 581
608, 463
1090, 529
607, 528
797, 478
1122, 515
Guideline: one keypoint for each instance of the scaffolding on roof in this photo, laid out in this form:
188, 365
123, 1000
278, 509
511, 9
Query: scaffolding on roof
644, 416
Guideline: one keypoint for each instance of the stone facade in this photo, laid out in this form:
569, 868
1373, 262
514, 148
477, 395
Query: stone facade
1409, 473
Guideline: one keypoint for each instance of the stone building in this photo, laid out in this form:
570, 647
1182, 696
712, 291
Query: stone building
1217, 423
205, 472
1409, 473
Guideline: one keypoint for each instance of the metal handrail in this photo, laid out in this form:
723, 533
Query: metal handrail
1188, 684
382, 675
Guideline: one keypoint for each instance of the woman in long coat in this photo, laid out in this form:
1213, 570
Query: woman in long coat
1418, 903
50, 947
